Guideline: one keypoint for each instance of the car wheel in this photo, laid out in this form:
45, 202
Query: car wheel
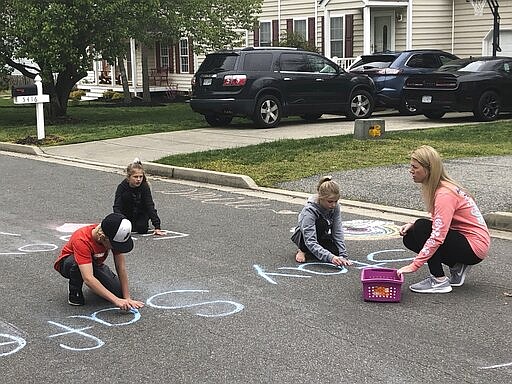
218, 120
488, 107
267, 113
434, 115
405, 109
311, 116
361, 105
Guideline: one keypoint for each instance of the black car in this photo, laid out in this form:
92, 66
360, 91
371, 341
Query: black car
390, 69
267, 84
482, 85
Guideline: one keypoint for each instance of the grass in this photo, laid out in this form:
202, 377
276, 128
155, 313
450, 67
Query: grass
271, 163
267, 164
91, 121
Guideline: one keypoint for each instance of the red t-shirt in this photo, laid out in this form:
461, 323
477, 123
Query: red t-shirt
85, 249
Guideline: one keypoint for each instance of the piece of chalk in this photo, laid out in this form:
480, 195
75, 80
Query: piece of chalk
134, 310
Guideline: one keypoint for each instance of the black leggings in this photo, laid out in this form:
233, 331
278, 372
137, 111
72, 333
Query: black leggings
455, 248
323, 236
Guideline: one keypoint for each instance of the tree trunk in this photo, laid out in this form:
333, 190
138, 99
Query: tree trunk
146, 95
124, 81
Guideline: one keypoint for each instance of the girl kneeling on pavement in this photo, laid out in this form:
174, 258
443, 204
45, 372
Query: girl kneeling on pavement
134, 200
456, 235
320, 231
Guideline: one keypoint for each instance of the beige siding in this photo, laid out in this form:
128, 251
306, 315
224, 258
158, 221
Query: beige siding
432, 24
470, 30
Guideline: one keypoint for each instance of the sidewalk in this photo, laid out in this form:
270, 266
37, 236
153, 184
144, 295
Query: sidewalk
488, 178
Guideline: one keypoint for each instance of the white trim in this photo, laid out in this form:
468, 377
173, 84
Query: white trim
133, 53
259, 31
366, 31
327, 32
408, 36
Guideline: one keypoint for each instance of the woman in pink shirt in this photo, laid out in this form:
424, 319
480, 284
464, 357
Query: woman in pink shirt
456, 236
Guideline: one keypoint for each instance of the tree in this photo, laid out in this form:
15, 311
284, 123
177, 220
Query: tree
296, 40
212, 24
63, 37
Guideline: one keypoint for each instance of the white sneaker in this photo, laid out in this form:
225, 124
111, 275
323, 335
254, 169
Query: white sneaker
458, 274
431, 285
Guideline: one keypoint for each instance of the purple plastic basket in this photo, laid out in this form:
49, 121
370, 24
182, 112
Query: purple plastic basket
381, 284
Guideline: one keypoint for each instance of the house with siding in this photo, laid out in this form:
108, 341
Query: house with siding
341, 30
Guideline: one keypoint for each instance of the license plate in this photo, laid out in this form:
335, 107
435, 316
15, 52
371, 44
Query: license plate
426, 99
207, 81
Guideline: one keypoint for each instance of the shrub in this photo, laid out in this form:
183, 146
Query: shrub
107, 95
77, 94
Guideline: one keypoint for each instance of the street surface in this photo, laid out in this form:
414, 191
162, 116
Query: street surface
225, 300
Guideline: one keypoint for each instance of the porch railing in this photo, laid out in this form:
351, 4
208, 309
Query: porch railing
344, 62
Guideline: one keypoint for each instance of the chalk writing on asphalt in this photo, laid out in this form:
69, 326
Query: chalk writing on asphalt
368, 230
237, 202
306, 270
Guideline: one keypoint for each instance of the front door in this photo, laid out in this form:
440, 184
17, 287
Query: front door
382, 33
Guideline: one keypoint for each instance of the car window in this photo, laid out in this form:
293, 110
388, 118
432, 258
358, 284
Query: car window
293, 62
445, 59
474, 66
218, 63
507, 67
374, 61
423, 60
320, 64
258, 62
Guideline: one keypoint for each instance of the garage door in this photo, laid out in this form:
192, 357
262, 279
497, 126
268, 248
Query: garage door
505, 43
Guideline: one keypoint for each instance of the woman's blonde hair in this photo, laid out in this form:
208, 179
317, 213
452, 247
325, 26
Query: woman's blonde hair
430, 159
328, 188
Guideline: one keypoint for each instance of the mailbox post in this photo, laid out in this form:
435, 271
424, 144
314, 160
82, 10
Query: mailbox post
39, 109
33, 95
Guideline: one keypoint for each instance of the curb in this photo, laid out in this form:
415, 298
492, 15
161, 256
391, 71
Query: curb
201, 175
501, 221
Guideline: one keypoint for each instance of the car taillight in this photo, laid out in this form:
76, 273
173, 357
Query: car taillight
389, 71
234, 80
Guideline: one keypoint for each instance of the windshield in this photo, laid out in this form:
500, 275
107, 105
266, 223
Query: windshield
218, 63
466, 66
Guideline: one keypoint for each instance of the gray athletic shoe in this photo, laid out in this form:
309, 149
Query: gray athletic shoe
431, 285
458, 274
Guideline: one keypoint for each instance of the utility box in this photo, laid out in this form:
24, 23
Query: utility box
24, 90
369, 129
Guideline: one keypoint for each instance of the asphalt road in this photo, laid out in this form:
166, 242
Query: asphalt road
225, 301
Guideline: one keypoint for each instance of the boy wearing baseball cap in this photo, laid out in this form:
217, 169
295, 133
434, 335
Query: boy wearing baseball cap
81, 260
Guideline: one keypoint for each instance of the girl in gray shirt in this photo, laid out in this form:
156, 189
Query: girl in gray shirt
320, 231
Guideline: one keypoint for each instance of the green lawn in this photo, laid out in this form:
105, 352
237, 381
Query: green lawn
268, 163
89, 121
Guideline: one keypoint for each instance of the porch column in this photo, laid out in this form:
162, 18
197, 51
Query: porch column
133, 68
367, 49
408, 36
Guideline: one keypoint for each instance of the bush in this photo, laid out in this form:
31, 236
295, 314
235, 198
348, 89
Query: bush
296, 41
117, 96
113, 96
107, 95
76, 95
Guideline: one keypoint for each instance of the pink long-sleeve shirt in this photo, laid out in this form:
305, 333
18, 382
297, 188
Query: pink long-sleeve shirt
454, 209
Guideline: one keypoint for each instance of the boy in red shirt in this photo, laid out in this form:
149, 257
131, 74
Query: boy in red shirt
81, 260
